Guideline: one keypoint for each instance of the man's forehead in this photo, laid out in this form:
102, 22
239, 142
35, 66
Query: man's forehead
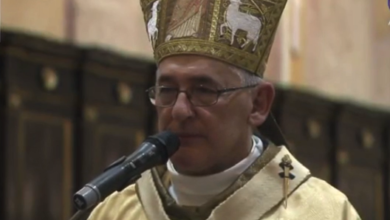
202, 78
193, 68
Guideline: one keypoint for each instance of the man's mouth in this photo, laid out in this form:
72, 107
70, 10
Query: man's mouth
187, 135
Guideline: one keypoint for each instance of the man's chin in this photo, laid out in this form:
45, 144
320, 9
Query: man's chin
183, 156
185, 162
191, 141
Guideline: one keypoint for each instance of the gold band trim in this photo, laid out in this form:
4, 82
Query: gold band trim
214, 50
214, 20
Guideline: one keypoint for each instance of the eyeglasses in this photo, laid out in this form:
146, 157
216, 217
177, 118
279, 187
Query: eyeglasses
198, 96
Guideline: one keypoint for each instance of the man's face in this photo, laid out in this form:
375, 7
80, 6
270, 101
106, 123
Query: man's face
212, 137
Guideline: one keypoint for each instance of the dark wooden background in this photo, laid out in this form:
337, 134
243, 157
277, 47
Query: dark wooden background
67, 112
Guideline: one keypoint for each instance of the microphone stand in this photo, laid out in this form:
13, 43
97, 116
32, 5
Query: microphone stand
80, 213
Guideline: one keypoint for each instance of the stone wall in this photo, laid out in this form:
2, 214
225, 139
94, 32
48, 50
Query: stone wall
380, 53
117, 24
346, 50
338, 52
45, 17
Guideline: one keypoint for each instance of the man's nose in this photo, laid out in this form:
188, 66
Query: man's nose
182, 108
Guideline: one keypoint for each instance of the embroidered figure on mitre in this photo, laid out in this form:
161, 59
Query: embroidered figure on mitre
186, 19
237, 20
152, 23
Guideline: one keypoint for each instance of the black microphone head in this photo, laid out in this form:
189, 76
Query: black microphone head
167, 140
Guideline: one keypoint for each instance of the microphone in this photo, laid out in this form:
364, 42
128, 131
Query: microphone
155, 150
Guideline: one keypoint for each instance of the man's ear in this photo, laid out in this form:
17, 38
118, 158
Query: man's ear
263, 97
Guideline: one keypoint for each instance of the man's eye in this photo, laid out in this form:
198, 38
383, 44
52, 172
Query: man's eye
166, 90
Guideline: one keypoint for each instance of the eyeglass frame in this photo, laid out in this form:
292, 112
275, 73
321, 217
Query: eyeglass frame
218, 92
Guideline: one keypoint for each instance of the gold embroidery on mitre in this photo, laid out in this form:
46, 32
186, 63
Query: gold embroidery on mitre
186, 18
286, 165
152, 23
239, 32
236, 20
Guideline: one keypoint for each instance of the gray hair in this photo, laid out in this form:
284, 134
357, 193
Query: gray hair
247, 78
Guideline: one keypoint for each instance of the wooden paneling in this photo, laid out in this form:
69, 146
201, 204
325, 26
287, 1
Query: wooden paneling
39, 97
277, 106
3, 150
387, 171
361, 159
307, 121
40, 178
115, 110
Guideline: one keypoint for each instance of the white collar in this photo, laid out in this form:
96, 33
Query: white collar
194, 191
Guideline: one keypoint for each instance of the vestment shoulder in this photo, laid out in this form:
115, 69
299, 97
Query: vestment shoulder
119, 205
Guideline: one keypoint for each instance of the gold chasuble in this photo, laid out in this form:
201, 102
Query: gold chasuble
275, 187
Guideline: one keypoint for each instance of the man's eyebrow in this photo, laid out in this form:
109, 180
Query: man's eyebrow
165, 79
